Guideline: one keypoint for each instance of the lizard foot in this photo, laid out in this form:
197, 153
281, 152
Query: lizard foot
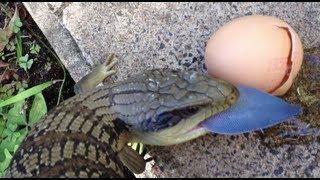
97, 75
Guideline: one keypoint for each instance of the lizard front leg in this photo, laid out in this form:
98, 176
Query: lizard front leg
97, 75
130, 157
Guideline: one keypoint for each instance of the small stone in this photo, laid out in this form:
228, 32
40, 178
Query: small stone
274, 152
119, 13
278, 171
187, 64
194, 60
162, 46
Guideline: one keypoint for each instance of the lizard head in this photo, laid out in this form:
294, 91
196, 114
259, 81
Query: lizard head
168, 106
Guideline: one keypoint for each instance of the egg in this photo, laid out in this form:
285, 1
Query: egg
263, 52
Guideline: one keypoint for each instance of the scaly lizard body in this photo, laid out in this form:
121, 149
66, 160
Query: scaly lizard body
86, 135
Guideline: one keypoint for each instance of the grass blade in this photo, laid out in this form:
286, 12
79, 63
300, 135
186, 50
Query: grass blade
27, 93
18, 45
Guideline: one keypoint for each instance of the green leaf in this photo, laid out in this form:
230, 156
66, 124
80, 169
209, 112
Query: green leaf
16, 29
23, 66
18, 85
18, 45
23, 134
6, 32
8, 143
2, 126
9, 146
25, 62
24, 59
29, 63
6, 162
10, 92
38, 109
37, 48
6, 91
14, 19
12, 143
27, 93
17, 22
3, 89
11, 46
17, 114
24, 84
7, 132
12, 126
47, 66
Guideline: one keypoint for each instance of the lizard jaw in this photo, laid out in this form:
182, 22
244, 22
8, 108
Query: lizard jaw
184, 131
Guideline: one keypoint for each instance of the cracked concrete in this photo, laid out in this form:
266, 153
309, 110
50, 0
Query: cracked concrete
147, 35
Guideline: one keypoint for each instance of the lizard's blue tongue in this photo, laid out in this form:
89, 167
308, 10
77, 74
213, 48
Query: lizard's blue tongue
255, 110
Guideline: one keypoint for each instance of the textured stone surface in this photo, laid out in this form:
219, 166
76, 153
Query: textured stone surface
148, 35
151, 35
60, 38
236, 156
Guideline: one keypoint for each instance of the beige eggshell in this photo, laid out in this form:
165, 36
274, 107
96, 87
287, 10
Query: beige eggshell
259, 51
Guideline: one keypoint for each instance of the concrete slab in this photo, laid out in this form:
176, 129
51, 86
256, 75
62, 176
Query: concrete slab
153, 35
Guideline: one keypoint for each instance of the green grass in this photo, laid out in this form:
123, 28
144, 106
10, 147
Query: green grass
15, 121
21, 107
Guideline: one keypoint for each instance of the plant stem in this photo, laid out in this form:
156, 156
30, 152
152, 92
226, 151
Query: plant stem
25, 36
56, 57
11, 59
18, 45
9, 54
3, 73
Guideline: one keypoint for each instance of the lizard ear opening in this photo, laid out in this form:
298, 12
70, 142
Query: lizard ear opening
132, 160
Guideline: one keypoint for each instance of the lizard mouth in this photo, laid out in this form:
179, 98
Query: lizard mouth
184, 124
185, 121
186, 129
195, 128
